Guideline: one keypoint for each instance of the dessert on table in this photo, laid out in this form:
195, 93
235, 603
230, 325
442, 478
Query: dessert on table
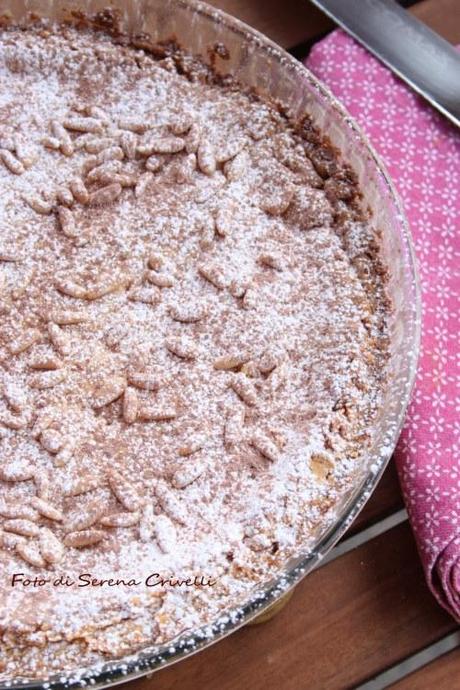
194, 336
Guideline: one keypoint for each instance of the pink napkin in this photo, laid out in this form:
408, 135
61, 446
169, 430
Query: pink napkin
422, 153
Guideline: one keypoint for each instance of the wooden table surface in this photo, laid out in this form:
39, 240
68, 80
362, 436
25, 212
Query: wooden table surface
366, 614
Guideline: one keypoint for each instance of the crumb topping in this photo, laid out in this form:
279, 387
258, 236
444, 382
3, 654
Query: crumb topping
192, 346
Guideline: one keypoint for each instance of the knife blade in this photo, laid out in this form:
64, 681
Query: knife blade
418, 55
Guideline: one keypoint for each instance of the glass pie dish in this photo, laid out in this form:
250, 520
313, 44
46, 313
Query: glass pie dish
256, 62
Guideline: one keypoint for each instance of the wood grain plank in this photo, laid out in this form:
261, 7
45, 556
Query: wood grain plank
294, 21
442, 16
287, 23
385, 500
346, 622
442, 674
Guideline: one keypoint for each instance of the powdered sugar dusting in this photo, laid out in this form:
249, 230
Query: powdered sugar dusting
145, 259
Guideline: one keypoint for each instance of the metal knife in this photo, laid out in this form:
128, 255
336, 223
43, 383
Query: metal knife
428, 63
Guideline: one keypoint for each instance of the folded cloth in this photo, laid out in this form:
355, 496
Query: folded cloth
422, 153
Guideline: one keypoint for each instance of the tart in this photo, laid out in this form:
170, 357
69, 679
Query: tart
193, 345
